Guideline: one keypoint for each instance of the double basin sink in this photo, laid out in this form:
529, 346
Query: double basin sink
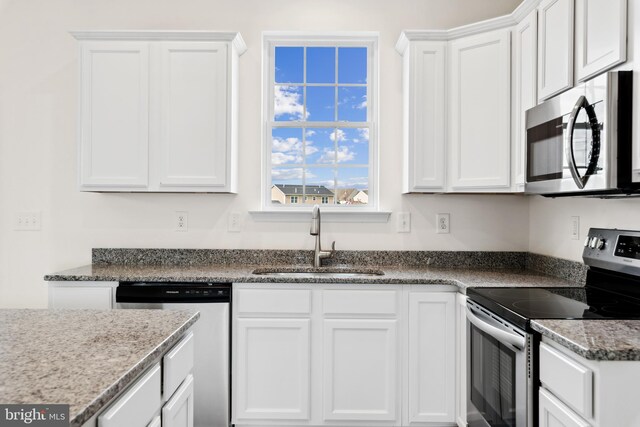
326, 272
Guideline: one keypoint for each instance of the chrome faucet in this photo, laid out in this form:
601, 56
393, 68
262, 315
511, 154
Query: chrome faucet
319, 254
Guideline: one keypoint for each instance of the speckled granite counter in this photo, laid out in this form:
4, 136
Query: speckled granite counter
81, 357
595, 339
461, 277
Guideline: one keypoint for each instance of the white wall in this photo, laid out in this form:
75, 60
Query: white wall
38, 102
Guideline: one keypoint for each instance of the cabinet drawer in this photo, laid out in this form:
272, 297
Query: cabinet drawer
567, 379
177, 364
137, 406
74, 297
553, 413
352, 301
276, 301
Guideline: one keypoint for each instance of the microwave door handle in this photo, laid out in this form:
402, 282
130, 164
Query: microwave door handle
516, 341
568, 142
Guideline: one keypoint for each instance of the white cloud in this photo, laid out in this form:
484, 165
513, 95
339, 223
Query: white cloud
363, 104
287, 100
283, 145
286, 174
359, 182
364, 134
343, 155
282, 158
310, 132
337, 134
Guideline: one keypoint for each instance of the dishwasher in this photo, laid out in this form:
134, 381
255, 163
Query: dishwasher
212, 332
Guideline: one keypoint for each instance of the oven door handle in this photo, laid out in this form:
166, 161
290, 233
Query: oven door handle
517, 341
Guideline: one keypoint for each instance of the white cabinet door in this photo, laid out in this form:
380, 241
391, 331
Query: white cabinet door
138, 405
555, 47
76, 297
178, 411
360, 370
424, 116
479, 120
525, 97
273, 369
114, 115
193, 115
554, 414
431, 357
601, 36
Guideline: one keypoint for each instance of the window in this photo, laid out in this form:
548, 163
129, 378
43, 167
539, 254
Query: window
320, 119
294, 199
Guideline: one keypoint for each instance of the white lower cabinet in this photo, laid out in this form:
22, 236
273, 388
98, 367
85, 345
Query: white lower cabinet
431, 357
149, 402
82, 295
340, 355
272, 369
178, 411
360, 370
138, 405
576, 392
554, 414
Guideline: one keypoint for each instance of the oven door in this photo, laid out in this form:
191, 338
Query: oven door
499, 390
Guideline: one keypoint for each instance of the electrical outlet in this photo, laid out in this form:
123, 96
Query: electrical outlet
442, 223
234, 222
404, 222
575, 228
182, 221
27, 221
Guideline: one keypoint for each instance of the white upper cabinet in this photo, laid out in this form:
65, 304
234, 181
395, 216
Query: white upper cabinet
114, 117
525, 93
479, 113
424, 133
601, 36
193, 115
158, 111
555, 47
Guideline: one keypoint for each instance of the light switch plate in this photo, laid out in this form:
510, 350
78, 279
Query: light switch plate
234, 225
27, 221
575, 228
404, 222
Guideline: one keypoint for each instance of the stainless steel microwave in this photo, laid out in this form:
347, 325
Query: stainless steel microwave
580, 142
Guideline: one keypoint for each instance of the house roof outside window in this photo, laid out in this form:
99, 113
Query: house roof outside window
297, 190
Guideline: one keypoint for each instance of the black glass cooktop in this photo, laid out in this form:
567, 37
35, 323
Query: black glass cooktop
519, 305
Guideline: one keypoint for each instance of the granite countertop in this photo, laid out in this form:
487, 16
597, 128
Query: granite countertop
594, 339
460, 277
83, 358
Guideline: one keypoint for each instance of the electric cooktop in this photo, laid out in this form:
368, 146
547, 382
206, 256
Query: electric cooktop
612, 289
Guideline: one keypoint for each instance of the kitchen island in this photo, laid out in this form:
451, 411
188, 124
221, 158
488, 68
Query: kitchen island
84, 358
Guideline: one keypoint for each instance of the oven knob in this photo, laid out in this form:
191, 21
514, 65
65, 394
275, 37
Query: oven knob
601, 244
593, 242
586, 241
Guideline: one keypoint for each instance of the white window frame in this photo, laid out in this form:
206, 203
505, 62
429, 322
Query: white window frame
337, 39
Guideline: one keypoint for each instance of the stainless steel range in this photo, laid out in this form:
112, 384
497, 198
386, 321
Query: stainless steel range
502, 349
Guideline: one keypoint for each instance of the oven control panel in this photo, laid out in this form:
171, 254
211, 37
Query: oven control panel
613, 249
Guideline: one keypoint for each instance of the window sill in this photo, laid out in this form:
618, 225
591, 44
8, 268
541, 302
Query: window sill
282, 215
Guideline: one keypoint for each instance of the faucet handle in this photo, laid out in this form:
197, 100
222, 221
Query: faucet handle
333, 248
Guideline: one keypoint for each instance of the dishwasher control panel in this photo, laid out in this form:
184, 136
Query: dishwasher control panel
145, 292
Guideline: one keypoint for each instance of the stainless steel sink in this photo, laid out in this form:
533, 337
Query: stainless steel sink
304, 272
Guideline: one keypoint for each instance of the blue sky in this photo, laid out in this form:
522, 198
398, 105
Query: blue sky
321, 69
325, 147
